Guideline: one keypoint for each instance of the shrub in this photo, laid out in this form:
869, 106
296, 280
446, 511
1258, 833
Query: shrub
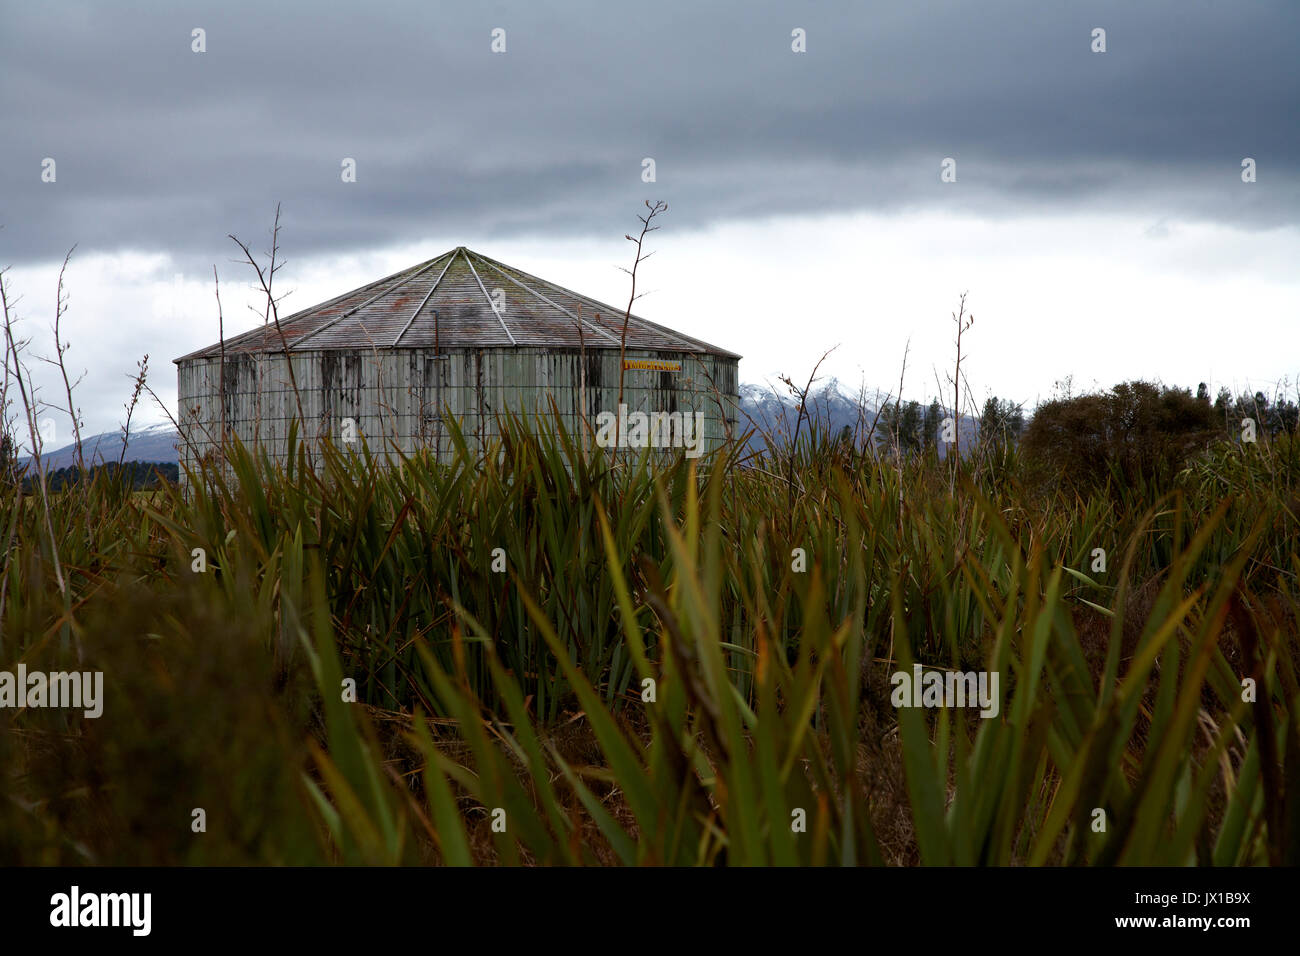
1138, 433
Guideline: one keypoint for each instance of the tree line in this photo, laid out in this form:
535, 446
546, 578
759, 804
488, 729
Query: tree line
139, 475
1134, 431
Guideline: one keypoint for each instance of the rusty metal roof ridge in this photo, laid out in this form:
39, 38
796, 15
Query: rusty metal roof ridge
491, 305
556, 305
538, 324
450, 259
583, 298
355, 309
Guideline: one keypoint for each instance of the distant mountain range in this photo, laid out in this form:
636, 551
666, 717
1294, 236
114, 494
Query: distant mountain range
151, 443
767, 408
772, 409
831, 406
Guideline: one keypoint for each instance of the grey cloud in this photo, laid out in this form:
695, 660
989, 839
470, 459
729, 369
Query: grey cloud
159, 148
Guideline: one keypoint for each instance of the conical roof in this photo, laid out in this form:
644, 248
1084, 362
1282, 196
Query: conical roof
451, 298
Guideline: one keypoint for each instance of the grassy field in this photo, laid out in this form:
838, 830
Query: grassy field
553, 656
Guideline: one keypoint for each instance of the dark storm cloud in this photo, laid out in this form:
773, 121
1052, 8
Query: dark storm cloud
160, 148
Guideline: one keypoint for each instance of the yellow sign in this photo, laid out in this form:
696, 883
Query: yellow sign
651, 365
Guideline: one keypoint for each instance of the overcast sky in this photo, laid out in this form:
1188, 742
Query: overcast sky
1099, 219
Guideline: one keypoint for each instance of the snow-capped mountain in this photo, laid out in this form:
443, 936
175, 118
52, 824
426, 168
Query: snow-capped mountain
831, 406
774, 410
149, 443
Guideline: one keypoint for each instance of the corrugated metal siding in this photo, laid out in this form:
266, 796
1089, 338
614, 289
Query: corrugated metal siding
393, 394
